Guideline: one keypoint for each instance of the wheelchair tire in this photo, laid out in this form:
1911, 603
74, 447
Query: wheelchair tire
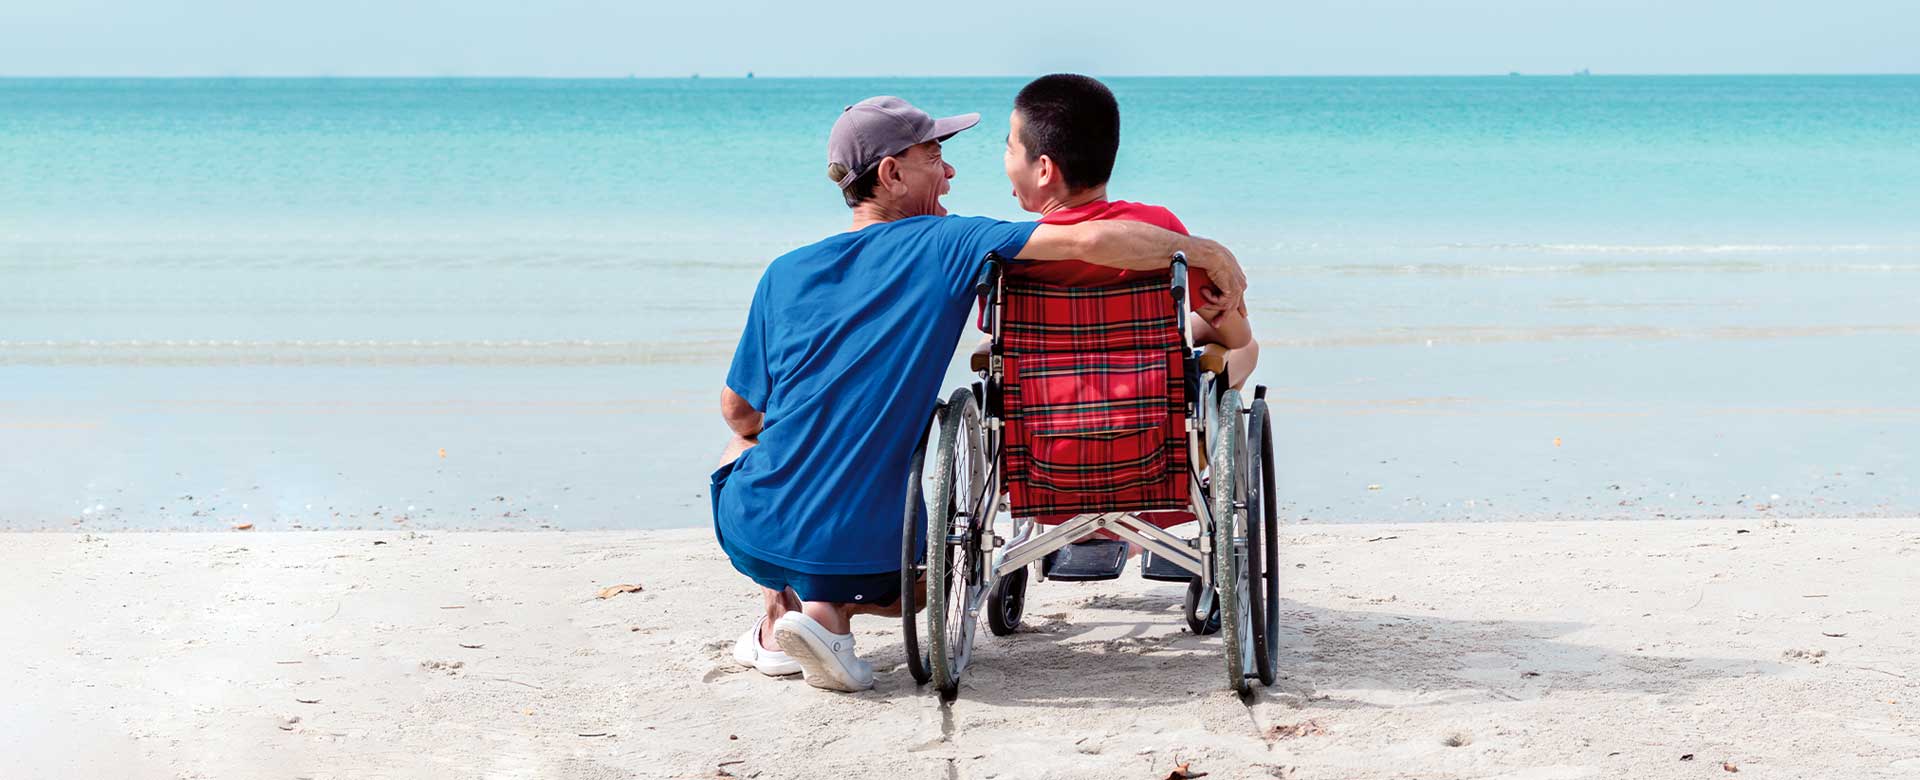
1007, 602
954, 572
912, 568
1263, 540
1230, 569
1191, 608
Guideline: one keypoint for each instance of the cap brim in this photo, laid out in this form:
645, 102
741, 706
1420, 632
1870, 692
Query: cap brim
949, 127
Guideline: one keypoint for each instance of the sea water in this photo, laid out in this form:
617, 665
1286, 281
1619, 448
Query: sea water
510, 303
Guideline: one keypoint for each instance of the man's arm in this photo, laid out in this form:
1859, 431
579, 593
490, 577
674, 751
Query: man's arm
740, 415
1138, 246
745, 422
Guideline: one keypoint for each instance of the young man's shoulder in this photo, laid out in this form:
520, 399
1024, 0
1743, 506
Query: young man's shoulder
1157, 215
1132, 211
1076, 273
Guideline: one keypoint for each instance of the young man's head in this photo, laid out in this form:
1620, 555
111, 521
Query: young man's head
885, 154
1064, 135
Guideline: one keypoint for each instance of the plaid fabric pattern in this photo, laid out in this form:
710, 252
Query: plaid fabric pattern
1094, 392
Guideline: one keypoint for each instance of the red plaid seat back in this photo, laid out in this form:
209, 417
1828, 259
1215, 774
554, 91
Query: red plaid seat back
1094, 400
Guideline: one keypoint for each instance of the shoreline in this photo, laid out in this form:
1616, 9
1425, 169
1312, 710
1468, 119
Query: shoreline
536, 525
1539, 649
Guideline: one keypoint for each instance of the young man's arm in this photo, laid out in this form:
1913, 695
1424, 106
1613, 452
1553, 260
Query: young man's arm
1138, 246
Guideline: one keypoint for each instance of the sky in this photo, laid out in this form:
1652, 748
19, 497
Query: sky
589, 38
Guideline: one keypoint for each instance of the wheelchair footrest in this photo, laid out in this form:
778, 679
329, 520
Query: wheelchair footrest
1092, 559
1155, 567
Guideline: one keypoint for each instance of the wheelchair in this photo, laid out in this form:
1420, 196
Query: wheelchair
1092, 417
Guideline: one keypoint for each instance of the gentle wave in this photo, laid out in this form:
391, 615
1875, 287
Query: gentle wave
344, 352
1582, 269
1447, 336
1689, 249
282, 258
511, 352
743, 264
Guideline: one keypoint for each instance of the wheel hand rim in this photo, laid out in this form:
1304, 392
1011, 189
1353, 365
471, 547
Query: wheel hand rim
1229, 574
952, 536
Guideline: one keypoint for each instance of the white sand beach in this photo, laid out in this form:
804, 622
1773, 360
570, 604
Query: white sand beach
1545, 651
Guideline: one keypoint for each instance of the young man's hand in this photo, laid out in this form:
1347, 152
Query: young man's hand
1215, 310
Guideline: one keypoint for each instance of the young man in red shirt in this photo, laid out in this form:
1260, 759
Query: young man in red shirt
1061, 145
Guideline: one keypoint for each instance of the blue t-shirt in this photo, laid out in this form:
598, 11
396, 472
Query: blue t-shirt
844, 351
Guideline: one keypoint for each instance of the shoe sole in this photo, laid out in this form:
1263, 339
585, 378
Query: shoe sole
778, 671
814, 666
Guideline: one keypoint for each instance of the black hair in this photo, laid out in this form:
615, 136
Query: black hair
1074, 120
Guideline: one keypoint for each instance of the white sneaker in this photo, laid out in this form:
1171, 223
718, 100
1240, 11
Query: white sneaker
772, 663
826, 658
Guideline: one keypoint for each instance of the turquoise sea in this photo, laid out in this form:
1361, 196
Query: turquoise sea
509, 303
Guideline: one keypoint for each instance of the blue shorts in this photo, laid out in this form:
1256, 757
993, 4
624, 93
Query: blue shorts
880, 588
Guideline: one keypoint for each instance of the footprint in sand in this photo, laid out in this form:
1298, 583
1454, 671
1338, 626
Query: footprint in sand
1809, 656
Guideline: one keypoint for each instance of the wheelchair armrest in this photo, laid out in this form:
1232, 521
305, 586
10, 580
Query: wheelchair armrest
981, 356
1213, 357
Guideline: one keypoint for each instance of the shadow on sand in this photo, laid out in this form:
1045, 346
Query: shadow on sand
1133, 650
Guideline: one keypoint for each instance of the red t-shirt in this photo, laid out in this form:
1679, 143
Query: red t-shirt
1075, 273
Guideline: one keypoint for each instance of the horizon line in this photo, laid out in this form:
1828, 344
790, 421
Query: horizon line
754, 75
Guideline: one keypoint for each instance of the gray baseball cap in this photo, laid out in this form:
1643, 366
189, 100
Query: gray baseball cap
880, 127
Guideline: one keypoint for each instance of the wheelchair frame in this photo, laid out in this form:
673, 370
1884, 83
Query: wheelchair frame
968, 494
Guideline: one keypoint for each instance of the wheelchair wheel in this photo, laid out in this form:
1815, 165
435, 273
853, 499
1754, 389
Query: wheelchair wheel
1263, 542
955, 572
912, 552
1007, 603
1229, 548
1191, 608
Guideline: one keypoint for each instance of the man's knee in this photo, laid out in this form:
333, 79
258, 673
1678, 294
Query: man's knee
893, 609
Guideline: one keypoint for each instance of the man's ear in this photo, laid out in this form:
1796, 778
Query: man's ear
890, 177
1049, 173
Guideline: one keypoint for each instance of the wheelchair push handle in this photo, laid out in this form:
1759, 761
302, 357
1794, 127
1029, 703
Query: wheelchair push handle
1179, 276
983, 284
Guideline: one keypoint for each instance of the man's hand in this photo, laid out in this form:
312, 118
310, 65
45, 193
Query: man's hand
735, 447
1229, 287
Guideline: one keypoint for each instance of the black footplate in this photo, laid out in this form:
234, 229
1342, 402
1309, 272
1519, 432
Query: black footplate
1155, 567
1085, 561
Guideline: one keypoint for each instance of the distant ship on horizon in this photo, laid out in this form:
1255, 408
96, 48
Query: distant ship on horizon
1580, 72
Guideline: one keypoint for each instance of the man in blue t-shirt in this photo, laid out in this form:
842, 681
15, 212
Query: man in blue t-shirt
839, 367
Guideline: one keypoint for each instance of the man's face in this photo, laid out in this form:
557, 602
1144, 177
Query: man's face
1022, 171
926, 176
